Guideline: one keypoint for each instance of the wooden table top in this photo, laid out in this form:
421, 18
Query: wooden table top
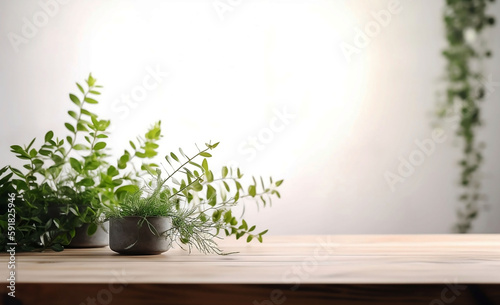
339, 259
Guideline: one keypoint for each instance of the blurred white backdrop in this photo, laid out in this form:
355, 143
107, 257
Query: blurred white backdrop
292, 89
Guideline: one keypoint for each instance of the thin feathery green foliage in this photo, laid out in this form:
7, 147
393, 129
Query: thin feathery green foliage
137, 204
198, 203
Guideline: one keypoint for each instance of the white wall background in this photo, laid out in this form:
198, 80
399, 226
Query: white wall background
231, 71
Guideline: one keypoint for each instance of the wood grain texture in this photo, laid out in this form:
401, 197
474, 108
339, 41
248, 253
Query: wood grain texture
287, 260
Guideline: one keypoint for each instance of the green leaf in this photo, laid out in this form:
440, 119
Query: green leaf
234, 221
278, 183
38, 163
33, 153
99, 145
75, 164
72, 210
18, 149
132, 144
212, 146
80, 147
44, 152
209, 176
204, 164
80, 87
197, 186
211, 192
94, 120
17, 172
75, 99
275, 192
205, 154
226, 186
249, 238
70, 127
91, 165
73, 114
91, 81
182, 153
127, 189
122, 163
57, 247
112, 171
81, 127
56, 222
92, 229
49, 135
238, 185
228, 216
86, 182
103, 124
95, 92
86, 112
195, 164
251, 190
91, 100
216, 215
174, 157
224, 171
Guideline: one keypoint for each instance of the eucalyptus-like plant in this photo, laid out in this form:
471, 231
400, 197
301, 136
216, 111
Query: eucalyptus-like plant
200, 204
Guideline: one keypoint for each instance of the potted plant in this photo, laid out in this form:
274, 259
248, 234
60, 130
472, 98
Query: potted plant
65, 184
189, 207
52, 206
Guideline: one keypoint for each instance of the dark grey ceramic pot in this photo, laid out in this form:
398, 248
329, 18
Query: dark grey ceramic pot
126, 236
99, 239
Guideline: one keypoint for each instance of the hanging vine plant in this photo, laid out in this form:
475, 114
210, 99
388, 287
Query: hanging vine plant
465, 22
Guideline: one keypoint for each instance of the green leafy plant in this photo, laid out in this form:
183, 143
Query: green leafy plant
200, 205
56, 185
68, 182
465, 21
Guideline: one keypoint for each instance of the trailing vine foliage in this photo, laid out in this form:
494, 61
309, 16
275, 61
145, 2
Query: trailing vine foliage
465, 22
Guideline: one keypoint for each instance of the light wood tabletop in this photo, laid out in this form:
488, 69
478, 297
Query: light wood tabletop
289, 261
